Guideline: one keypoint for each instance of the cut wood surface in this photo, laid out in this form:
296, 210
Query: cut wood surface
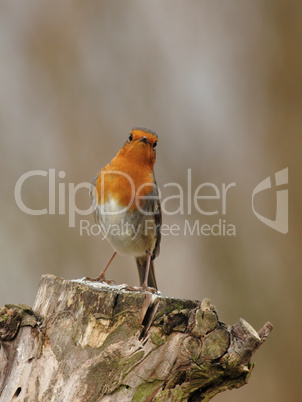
83, 341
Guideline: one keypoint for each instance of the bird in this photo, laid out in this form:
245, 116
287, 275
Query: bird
126, 205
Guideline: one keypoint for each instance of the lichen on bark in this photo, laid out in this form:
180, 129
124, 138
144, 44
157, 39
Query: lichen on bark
83, 341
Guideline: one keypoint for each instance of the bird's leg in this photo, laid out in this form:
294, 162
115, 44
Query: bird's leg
101, 277
145, 284
144, 287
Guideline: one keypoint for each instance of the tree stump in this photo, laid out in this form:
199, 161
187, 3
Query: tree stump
83, 341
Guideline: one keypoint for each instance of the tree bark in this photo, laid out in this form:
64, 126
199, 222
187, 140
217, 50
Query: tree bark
86, 342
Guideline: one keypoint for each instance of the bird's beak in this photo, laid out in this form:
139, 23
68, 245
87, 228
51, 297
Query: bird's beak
144, 139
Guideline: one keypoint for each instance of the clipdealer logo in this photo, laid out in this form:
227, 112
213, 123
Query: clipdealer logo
185, 198
279, 224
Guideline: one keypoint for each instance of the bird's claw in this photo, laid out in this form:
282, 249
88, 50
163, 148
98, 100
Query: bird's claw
100, 279
141, 289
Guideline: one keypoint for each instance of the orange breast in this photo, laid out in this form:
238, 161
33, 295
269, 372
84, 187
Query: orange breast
125, 182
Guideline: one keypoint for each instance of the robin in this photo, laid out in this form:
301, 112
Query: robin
126, 204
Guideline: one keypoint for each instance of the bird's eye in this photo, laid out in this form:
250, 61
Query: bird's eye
130, 138
154, 145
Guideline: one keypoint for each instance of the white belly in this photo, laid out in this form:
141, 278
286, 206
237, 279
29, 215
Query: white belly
128, 232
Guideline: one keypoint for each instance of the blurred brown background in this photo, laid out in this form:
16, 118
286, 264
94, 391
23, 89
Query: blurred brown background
220, 82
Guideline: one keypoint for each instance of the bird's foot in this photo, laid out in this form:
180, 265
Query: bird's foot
141, 289
100, 279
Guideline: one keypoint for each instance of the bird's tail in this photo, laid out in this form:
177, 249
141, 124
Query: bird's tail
141, 263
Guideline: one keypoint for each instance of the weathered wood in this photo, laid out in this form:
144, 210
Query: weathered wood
86, 342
